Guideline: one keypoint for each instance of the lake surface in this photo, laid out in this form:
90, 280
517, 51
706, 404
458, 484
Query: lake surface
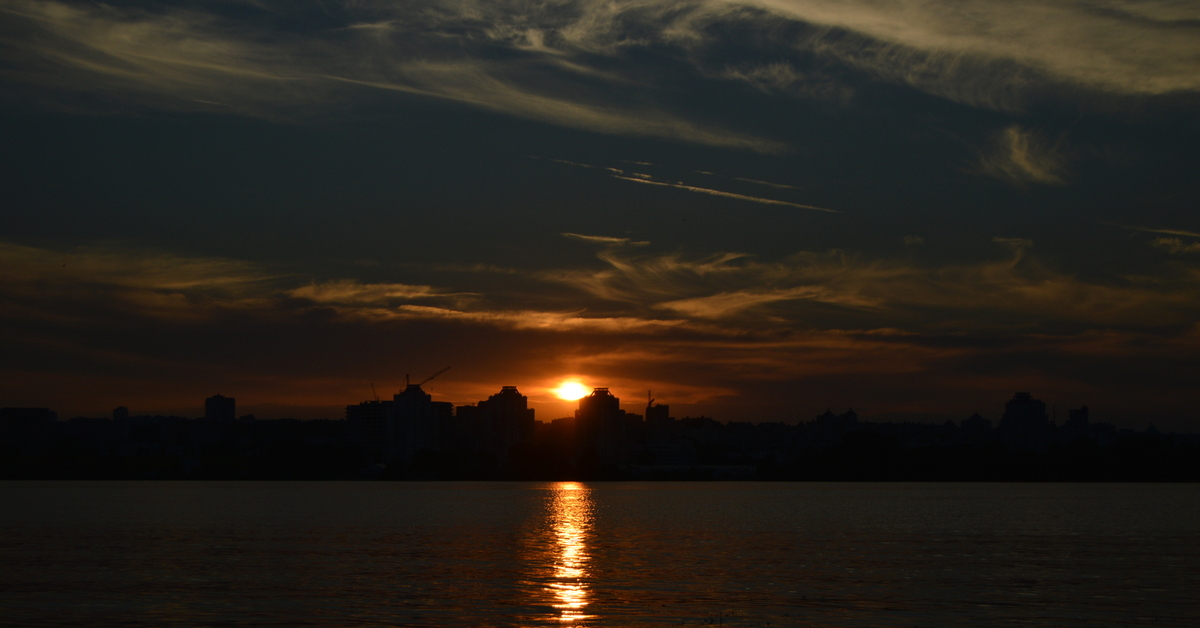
598, 554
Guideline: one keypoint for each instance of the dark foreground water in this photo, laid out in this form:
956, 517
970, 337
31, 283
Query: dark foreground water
619, 554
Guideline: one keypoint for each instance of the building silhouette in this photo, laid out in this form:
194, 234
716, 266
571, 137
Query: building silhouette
1077, 428
220, 408
603, 427
1025, 425
829, 429
413, 423
368, 429
658, 418
505, 419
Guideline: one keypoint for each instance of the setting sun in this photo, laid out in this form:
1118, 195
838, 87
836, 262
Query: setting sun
571, 390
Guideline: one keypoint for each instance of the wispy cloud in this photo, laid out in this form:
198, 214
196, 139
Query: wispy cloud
540, 320
1014, 291
350, 291
1176, 246
571, 163
485, 84
628, 284
567, 63
605, 240
729, 303
779, 186
741, 197
1177, 232
639, 177
1021, 157
188, 59
113, 266
726, 320
1123, 45
1016, 244
782, 78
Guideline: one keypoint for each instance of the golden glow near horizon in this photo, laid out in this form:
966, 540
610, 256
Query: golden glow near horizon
571, 390
571, 517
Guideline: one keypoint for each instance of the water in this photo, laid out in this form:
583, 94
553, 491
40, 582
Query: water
605, 554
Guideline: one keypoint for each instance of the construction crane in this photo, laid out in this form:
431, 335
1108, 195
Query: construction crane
426, 380
376, 395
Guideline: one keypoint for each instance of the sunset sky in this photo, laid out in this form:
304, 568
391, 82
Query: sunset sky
757, 209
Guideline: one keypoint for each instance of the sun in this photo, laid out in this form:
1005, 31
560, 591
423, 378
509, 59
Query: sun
571, 390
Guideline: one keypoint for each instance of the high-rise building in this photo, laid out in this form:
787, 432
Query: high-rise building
468, 431
1025, 425
413, 424
1077, 427
600, 424
368, 429
829, 429
658, 414
506, 419
220, 408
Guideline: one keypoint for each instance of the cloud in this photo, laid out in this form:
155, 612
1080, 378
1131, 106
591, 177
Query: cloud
1178, 232
112, 265
540, 320
349, 291
484, 84
831, 325
728, 303
193, 60
1021, 158
782, 78
605, 240
779, 186
639, 177
836, 288
1016, 244
1121, 46
741, 197
63, 284
911, 240
571, 163
628, 289
594, 64
1176, 246
173, 58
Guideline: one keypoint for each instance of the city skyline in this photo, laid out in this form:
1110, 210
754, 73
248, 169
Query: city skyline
551, 397
751, 207
575, 395
409, 436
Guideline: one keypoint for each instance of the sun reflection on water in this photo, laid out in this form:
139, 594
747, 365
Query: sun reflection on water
571, 520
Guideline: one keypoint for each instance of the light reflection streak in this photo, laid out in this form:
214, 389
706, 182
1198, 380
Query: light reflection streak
571, 521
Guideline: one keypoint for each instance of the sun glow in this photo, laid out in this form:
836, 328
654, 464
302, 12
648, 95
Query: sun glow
571, 390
